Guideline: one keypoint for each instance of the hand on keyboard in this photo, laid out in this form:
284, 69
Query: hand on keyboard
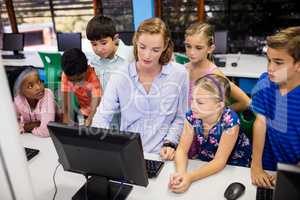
261, 178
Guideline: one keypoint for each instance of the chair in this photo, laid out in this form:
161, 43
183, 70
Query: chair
52, 66
247, 119
181, 58
66, 41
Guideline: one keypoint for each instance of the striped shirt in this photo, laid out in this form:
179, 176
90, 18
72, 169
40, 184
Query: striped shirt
282, 114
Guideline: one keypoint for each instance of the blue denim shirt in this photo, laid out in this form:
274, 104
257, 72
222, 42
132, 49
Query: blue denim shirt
158, 115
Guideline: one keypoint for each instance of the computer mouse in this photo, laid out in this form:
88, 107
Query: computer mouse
234, 191
234, 64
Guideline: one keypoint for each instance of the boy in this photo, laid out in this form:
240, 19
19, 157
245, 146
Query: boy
109, 51
80, 78
276, 101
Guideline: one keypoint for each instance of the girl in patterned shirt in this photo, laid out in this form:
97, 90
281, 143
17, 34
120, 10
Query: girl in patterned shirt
216, 130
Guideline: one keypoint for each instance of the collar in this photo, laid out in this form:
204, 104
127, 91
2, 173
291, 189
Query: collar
121, 52
166, 70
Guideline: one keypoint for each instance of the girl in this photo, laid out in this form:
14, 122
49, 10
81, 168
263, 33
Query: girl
199, 45
151, 92
35, 105
216, 127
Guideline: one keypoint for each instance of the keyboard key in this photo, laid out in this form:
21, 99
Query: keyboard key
264, 194
153, 167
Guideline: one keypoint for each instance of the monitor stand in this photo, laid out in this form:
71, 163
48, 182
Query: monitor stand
102, 188
16, 55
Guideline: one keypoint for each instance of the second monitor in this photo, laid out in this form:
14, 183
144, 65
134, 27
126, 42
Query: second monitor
104, 155
13, 42
66, 41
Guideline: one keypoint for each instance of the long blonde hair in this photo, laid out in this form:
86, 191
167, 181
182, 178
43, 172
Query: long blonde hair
205, 29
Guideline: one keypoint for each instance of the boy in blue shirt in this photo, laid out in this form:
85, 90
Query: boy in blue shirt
110, 52
276, 101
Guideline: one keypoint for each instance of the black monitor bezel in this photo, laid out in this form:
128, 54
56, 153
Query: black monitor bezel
285, 174
219, 48
100, 135
4, 45
61, 35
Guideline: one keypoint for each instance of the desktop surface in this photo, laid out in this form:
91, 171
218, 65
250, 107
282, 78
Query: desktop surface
42, 168
242, 65
13, 56
31, 58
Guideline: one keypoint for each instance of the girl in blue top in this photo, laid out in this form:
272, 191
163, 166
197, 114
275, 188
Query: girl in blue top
216, 129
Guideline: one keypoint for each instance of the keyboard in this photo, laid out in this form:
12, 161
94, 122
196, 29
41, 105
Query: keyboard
153, 167
264, 194
13, 56
30, 153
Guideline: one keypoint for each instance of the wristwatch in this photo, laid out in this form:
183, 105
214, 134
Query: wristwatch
170, 144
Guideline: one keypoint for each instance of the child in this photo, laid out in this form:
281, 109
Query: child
199, 45
35, 105
151, 93
80, 78
109, 51
216, 127
276, 102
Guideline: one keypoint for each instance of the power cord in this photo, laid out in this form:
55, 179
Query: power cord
86, 186
55, 187
120, 189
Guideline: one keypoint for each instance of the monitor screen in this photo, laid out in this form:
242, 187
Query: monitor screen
221, 42
66, 41
287, 183
100, 153
126, 37
13, 41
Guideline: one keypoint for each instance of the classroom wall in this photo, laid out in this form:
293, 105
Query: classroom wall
142, 10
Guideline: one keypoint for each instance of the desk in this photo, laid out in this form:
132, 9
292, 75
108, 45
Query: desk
42, 166
248, 66
31, 58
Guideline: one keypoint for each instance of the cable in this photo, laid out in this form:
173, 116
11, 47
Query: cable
120, 189
86, 187
55, 187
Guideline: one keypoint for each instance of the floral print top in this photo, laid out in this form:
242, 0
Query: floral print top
205, 148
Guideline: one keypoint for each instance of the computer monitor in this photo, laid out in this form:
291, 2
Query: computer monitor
14, 175
13, 42
104, 155
66, 41
287, 183
221, 42
126, 37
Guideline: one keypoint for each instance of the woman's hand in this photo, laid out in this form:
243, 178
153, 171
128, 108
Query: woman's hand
167, 153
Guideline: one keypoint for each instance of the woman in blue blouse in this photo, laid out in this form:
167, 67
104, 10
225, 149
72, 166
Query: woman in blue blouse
151, 93
214, 132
